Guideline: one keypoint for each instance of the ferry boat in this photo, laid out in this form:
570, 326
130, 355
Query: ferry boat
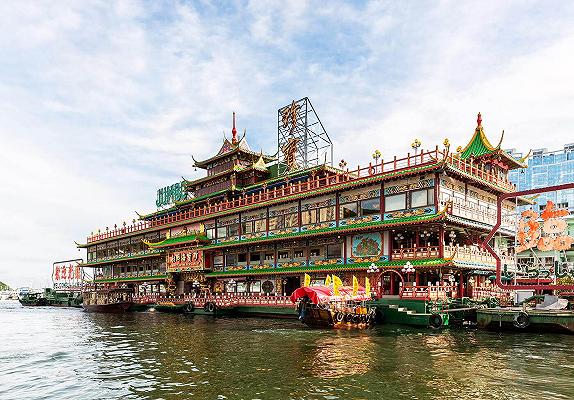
50, 297
249, 230
108, 300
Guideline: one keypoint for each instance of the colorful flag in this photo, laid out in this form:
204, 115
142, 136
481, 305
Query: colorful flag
328, 280
367, 287
355, 286
336, 285
307, 281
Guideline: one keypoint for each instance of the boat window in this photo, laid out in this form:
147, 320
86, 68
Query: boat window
269, 256
349, 210
242, 257
314, 252
230, 259
422, 198
333, 251
371, 206
395, 202
221, 232
255, 257
299, 254
283, 254
233, 230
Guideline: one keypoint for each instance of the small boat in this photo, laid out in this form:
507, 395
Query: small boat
115, 300
319, 307
52, 298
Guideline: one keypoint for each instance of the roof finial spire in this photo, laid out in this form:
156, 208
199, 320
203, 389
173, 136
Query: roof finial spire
234, 131
479, 120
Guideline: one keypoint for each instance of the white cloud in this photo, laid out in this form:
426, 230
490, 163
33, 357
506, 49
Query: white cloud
103, 104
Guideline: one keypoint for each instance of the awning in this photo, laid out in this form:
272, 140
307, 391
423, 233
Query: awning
324, 294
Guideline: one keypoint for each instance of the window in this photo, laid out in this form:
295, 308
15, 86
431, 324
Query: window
299, 253
210, 233
370, 206
231, 259
283, 255
260, 225
333, 251
326, 214
269, 256
247, 227
395, 202
255, 257
314, 253
242, 257
233, 230
283, 221
309, 217
349, 210
421, 198
221, 232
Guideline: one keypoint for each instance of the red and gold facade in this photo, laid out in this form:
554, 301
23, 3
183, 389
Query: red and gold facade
247, 230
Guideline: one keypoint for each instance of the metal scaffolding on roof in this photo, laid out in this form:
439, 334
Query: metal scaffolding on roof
302, 141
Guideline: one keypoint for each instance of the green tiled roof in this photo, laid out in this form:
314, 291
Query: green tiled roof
478, 145
149, 253
178, 240
431, 262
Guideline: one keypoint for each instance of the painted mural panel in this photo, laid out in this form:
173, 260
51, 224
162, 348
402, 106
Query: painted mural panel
367, 247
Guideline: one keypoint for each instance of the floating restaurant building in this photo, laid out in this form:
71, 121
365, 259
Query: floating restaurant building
256, 223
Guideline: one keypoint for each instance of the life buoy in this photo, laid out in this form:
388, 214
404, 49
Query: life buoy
348, 317
210, 307
356, 318
435, 321
521, 320
368, 318
339, 316
189, 307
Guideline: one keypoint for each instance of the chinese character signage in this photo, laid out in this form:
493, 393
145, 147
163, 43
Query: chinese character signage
67, 275
542, 256
185, 260
170, 194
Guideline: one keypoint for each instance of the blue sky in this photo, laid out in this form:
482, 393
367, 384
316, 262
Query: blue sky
103, 102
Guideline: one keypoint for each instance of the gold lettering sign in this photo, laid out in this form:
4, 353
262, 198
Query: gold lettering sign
184, 260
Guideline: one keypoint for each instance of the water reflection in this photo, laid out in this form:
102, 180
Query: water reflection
56, 353
341, 356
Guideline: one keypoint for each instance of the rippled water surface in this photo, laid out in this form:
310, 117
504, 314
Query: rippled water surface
54, 353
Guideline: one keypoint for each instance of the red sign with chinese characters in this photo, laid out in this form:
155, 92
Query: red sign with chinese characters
185, 260
537, 233
67, 275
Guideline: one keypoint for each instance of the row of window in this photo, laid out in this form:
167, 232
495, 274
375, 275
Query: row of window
358, 208
255, 257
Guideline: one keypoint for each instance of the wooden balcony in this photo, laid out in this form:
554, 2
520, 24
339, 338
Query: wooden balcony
395, 165
428, 293
413, 253
475, 212
476, 254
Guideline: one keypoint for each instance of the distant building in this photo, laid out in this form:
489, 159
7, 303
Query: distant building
546, 168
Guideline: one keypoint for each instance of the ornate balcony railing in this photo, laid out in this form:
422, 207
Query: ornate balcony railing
476, 212
423, 158
220, 301
477, 255
411, 253
428, 292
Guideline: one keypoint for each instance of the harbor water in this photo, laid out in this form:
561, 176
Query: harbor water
57, 353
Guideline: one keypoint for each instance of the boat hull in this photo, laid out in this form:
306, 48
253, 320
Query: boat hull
517, 320
114, 308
